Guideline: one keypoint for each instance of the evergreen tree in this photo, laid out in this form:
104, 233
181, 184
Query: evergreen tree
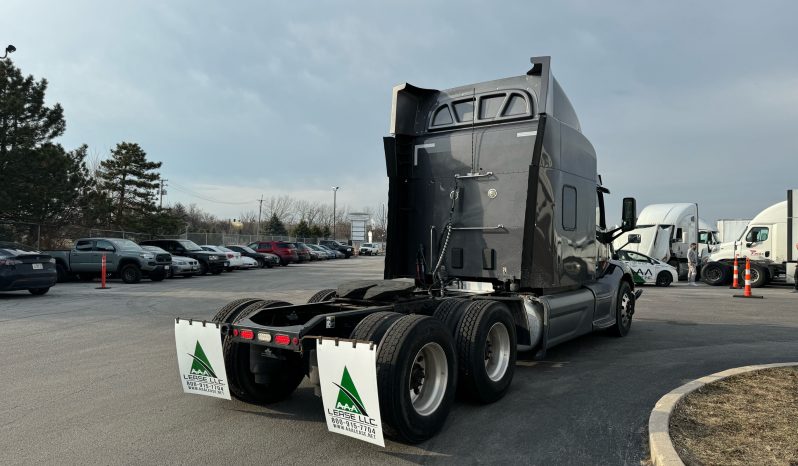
25, 122
275, 226
129, 181
316, 231
302, 229
39, 181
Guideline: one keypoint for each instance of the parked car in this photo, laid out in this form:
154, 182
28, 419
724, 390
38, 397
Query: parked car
303, 252
233, 258
264, 259
25, 268
324, 253
338, 246
249, 263
123, 258
647, 270
369, 249
285, 251
336, 254
211, 262
184, 266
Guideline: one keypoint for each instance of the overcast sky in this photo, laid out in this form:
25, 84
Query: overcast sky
684, 101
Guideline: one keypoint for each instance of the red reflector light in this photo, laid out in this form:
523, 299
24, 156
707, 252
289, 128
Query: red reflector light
235, 332
295, 341
247, 334
282, 339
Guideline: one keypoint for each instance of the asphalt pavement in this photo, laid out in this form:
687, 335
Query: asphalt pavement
90, 376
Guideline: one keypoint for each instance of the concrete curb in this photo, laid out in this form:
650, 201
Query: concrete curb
659, 439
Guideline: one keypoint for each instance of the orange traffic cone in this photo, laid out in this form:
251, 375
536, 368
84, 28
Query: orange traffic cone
747, 290
735, 280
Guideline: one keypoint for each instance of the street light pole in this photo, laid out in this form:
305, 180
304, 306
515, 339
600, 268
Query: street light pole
9, 49
335, 193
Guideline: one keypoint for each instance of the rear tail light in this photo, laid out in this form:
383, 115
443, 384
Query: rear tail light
247, 334
230, 255
282, 339
4, 261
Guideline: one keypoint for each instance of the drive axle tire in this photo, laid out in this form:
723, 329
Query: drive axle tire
416, 378
486, 350
374, 326
277, 378
130, 273
227, 313
450, 312
323, 295
715, 274
664, 279
624, 310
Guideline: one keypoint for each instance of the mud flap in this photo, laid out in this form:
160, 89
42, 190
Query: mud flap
200, 359
348, 378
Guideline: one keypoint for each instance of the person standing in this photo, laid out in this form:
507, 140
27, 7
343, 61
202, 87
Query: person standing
692, 264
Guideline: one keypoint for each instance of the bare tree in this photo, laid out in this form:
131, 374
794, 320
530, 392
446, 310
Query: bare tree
380, 223
249, 219
309, 211
282, 207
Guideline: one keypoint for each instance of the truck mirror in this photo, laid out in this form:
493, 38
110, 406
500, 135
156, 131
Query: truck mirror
629, 215
634, 239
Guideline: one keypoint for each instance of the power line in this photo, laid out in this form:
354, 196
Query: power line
193, 194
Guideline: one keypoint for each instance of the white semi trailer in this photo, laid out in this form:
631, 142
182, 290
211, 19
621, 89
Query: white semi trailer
770, 241
665, 231
730, 229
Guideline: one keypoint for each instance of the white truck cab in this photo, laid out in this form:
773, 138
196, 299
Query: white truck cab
768, 241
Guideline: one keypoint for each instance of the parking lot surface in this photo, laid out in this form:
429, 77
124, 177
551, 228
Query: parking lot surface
89, 376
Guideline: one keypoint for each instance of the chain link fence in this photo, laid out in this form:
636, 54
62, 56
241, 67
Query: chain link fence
49, 237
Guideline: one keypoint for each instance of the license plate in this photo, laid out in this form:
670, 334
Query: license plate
37, 266
166, 267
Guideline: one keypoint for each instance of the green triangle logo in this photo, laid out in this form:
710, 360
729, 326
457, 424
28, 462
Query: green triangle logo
348, 397
201, 365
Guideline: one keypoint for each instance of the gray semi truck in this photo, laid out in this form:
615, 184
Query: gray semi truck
497, 243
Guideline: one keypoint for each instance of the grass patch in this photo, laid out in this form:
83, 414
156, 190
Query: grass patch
746, 419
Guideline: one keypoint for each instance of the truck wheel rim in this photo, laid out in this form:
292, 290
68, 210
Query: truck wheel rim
626, 307
713, 274
497, 352
129, 274
429, 377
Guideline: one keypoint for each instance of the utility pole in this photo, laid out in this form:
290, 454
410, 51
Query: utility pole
260, 209
162, 191
335, 192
